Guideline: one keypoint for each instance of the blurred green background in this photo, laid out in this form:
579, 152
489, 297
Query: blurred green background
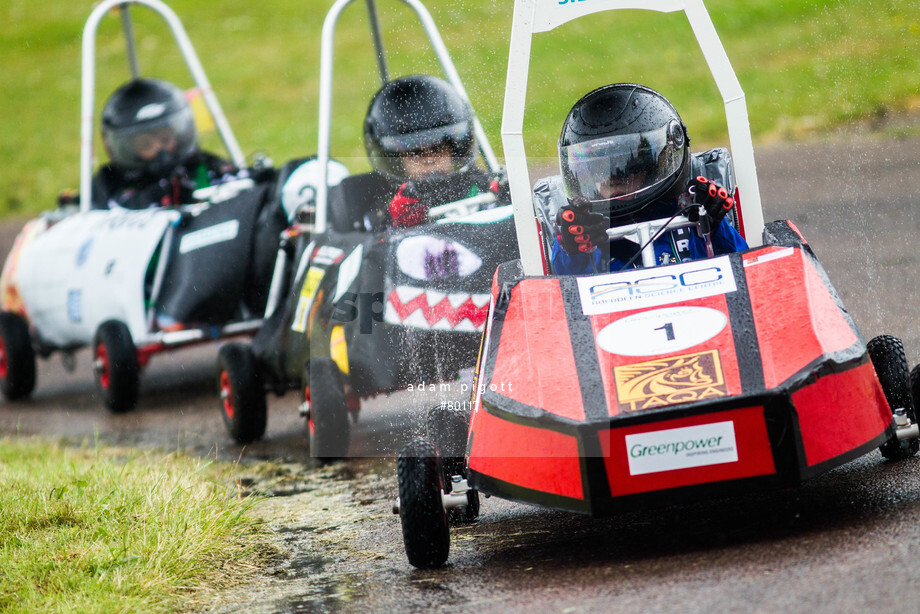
810, 69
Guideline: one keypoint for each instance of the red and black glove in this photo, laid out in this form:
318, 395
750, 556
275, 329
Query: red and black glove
714, 198
580, 230
405, 208
499, 186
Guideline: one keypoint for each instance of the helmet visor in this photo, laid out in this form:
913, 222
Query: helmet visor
622, 167
449, 134
165, 141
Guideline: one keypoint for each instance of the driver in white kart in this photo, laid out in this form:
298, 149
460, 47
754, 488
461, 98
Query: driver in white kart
624, 154
149, 133
418, 133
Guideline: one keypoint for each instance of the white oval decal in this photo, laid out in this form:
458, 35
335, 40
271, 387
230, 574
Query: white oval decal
661, 331
428, 258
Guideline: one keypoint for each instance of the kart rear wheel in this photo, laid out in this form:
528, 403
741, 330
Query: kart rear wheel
327, 420
17, 357
890, 362
447, 428
116, 366
426, 534
242, 393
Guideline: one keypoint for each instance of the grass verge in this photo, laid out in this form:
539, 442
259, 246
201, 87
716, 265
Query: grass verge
808, 68
114, 530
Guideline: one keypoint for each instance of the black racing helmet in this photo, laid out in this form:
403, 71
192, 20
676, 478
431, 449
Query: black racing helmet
624, 147
413, 114
148, 126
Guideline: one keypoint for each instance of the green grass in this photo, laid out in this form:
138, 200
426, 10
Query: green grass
101, 530
808, 67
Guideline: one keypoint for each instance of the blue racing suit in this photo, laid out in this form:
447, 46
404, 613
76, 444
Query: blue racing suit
673, 246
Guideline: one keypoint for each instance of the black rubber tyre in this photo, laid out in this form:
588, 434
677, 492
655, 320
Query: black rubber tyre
116, 367
327, 422
890, 362
17, 357
242, 393
447, 429
426, 534
915, 384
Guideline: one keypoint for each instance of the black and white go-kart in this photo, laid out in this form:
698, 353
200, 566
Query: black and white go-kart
358, 308
80, 277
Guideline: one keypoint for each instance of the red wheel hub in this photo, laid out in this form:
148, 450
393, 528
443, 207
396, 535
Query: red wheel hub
102, 358
4, 366
306, 398
226, 394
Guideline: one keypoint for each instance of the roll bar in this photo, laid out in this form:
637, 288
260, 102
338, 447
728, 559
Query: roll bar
88, 84
533, 16
325, 87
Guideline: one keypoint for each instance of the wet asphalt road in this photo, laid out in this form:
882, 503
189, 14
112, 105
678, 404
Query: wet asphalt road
845, 542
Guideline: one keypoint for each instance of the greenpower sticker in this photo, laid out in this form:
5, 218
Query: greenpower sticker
683, 448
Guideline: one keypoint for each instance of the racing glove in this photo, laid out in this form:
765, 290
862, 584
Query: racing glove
714, 198
580, 230
405, 208
500, 187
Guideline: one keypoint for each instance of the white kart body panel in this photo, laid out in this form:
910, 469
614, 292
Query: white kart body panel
88, 268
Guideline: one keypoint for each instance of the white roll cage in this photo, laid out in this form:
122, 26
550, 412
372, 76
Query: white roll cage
532, 16
89, 84
325, 88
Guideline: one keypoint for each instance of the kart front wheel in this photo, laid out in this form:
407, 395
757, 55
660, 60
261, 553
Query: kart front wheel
890, 362
17, 357
116, 366
448, 427
242, 394
426, 534
327, 420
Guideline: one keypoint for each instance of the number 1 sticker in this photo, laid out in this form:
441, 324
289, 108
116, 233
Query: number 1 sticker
668, 329
661, 331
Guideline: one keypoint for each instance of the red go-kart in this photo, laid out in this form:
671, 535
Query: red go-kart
654, 385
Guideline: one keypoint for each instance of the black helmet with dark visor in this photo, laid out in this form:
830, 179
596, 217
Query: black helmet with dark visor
148, 125
623, 147
415, 114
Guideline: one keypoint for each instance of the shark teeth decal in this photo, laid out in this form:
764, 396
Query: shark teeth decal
430, 309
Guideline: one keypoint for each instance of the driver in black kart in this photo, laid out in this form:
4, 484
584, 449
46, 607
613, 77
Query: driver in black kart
624, 154
149, 133
419, 135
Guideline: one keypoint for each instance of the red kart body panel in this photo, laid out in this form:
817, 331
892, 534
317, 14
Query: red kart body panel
595, 393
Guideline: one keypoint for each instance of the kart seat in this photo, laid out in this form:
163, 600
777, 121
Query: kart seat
359, 202
284, 173
297, 182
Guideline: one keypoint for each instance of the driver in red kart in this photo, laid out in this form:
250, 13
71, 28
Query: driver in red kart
624, 154
149, 133
419, 135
